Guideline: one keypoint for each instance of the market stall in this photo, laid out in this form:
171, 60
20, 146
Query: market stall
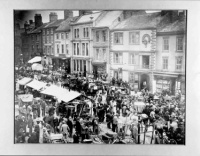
35, 59
37, 85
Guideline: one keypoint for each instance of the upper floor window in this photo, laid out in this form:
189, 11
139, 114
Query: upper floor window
97, 36
104, 54
67, 49
51, 30
165, 63
37, 37
32, 47
166, 44
37, 46
43, 32
118, 38
83, 49
57, 48
52, 39
85, 32
57, 36
67, 35
43, 39
49, 39
74, 48
104, 35
76, 33
132, 59
47, 31
62, 36
179, 62
97, 54
63, 48
87, 49
117, 57
32, 38
179, 43
134, 37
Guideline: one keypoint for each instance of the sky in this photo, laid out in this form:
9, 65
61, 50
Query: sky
26, 15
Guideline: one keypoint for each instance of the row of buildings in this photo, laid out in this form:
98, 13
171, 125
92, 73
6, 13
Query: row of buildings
146, 50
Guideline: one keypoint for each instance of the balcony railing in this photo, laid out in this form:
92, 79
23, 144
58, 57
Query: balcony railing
142, 67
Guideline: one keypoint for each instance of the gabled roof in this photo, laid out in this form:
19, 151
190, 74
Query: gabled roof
139, 22
87, 18
108, 18
54, 23
65, 25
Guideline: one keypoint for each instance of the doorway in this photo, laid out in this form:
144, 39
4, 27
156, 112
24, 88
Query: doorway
144, 81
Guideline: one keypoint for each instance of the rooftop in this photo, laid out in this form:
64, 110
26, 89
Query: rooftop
87, 17
140, 22
37, 30
65, 25
108, 19
54, 23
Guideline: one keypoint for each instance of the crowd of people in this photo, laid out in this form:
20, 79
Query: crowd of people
111, 101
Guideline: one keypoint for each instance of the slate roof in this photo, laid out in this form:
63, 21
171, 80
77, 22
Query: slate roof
86, 18
166, 25
65, 25
139, 22
108, 18
54, 23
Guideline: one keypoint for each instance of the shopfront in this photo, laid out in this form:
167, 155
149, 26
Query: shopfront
99, 68
165, 83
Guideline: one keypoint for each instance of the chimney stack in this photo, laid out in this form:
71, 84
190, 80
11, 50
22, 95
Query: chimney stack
68, 14
26, 26
38, 20
30, 22
84, 12
53, 17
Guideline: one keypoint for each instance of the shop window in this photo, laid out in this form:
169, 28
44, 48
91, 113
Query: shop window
166, 44
134, 37
81, 65
118, 58
118, 38
162, 85
179, 62
179, 43
165, 63
74, 65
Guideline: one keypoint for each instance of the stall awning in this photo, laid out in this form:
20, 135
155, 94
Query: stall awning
37, 67
26, 97
61, 93
37, 85
35, 59
24, 81
66, 97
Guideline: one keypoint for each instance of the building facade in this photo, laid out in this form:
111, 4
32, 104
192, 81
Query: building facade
82, 43
132, 52
48, 32
101, 41
170, 56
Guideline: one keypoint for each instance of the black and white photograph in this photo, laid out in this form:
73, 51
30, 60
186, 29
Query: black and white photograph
100, 77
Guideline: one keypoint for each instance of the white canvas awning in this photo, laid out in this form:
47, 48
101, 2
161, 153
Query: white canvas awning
37, 85
68, 96
37, 67
35, 59
61, 93
24, 81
